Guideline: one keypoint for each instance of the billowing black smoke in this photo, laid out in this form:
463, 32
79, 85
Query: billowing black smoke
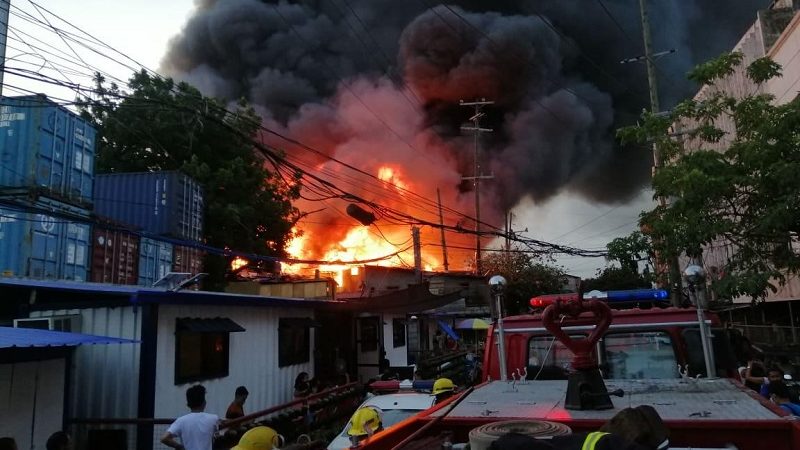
551, 66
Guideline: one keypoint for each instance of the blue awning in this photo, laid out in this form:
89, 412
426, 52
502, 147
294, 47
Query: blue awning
449, 331
32, 337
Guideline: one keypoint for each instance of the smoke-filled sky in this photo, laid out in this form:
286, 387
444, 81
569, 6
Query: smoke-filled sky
375, 82
378, 82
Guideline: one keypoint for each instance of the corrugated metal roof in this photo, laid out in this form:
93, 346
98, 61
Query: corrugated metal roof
32, 337
70, 285
139, 294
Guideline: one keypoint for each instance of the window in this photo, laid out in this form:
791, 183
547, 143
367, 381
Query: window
640, 355
398, 332
202, 348
555, 363
293, 341
369, 333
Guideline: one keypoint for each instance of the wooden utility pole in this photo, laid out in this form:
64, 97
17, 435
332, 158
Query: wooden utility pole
477, 177
674, 277
417, 253
441, 222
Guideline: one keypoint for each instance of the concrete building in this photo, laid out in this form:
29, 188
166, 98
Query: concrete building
776, 34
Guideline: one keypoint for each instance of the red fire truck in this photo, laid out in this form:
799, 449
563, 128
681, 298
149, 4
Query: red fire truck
578, 363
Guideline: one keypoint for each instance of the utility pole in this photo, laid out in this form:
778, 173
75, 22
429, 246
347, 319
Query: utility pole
5, 7
674, 278
417, 254
477, 177
441, 222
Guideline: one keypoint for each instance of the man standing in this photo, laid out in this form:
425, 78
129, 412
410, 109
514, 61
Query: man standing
236, 408
196, 429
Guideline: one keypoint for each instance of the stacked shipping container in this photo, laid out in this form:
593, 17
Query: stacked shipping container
38, 240
46, 146
115, 257
47, 184
160, 203
46, 174
155, 261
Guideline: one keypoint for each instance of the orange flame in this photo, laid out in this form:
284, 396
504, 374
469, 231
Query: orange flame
360, 243
391, 175
238, 263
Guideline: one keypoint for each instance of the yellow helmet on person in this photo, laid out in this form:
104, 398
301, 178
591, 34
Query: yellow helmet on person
443, 385
259, 438
365, 421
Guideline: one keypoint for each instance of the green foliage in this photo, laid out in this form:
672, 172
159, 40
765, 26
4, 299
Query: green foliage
616, 278
527, 277
630, 250
736, 194
161, 125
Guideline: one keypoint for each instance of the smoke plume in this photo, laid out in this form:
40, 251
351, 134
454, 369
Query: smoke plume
378, 82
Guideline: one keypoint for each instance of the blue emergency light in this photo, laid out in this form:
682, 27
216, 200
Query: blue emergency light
633, 295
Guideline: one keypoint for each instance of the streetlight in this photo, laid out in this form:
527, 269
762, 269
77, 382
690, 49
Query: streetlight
695, 276
497, 284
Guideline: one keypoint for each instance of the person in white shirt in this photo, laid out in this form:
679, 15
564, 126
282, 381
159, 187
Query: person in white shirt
196, 429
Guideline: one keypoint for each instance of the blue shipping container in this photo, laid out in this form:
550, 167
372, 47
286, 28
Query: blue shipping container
44, 246
46, 146
155, 261
162, 203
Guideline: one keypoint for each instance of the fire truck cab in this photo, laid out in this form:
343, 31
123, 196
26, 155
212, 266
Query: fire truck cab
653, 343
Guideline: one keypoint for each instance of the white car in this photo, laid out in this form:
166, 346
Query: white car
395, 408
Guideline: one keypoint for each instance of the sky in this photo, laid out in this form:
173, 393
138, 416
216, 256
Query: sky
142, 29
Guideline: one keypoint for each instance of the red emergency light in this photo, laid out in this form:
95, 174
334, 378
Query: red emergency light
544, 300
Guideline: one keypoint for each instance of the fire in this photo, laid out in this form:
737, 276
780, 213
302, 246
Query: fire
392, 175
332, 236
238, 263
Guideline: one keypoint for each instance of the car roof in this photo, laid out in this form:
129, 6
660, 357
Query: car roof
401, 400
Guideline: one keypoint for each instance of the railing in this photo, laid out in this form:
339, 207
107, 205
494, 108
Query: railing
770, 334
319, 417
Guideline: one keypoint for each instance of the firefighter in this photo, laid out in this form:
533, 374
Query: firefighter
443, 388
259, 438
365, 422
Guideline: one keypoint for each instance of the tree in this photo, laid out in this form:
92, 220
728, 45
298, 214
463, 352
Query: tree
162, 125
614, 278
526, 276
739, 190
634, 254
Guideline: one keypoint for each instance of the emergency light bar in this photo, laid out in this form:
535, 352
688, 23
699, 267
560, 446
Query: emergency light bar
396, 385
632, 295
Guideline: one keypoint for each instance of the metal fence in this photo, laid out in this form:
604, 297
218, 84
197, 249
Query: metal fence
771, 334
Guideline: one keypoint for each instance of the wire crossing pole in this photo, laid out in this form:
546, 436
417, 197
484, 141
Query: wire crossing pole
441, 222
417, 254
5, 7
477, 177
674, 278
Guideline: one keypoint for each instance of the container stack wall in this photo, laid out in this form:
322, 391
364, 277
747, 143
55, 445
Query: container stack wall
46, 147
115, 256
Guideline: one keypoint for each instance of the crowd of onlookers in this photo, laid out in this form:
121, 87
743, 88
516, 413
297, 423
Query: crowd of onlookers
771, 382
